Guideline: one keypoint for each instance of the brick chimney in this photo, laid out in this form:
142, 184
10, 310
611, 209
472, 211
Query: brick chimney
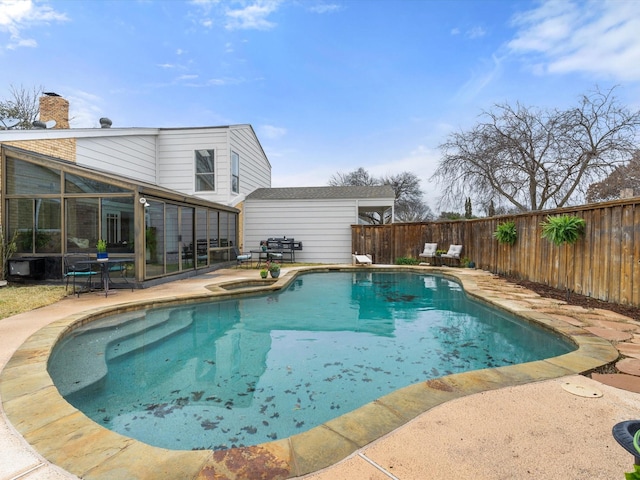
54, 107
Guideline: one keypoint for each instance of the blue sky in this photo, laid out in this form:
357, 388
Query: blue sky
329, 86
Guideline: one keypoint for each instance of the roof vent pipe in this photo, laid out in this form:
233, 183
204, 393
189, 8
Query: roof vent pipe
39, 125
105, 122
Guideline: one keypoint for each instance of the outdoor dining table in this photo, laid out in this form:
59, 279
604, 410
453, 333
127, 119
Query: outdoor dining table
267, 255
106, 266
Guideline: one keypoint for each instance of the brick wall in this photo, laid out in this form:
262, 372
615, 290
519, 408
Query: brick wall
63, 148
53, 107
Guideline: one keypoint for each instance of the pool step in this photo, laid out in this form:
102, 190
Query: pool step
88, 355
147, 336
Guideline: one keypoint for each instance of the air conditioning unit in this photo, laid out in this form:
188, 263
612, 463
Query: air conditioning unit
26, 267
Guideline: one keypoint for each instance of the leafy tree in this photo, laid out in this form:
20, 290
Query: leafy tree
450, 216
623, 176
534, 159
468, 213
23, 105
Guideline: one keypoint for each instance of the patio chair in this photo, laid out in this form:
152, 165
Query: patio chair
429, 251
453, 253
78, 266
242, 257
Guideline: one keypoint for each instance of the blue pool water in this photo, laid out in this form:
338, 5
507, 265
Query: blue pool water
222, 374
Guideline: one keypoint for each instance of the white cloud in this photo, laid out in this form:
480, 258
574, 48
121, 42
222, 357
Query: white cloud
325, 8
16, 16
253, 16
271, 132
476, 32
84, 109
597, 37
480, 78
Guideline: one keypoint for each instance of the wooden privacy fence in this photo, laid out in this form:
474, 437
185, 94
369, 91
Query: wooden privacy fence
603, 264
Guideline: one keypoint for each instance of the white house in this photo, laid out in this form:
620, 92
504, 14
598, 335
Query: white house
319, 217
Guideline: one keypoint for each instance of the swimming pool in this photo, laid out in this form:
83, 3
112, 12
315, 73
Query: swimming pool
239, 372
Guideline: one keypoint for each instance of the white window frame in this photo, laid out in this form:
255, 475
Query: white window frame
235, 172
211, 174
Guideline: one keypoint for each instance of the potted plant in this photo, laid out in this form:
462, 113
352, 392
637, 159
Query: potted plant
264, 272
101, 246
274, 270
466, 262
506, 233
563, 229
6, 250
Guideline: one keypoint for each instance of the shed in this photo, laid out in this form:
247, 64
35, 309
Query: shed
319, 217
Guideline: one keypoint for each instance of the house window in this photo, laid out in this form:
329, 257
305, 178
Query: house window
205, 171
235, 172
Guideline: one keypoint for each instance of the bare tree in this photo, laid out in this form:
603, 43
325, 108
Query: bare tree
413, 211
359, 177
623, 176
409, 205
23, 105
534, 159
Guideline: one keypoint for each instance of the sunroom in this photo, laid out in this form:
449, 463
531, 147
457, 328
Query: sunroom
54, 208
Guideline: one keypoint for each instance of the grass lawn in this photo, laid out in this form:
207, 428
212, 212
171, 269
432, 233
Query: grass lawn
16, 299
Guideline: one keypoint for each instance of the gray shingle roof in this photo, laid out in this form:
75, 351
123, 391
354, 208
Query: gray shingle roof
304, 193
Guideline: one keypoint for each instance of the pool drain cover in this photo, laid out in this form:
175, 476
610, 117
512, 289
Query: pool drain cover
581, 390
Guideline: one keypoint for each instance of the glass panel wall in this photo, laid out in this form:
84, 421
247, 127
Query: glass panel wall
82, 224
172, 238
186, 238
37, 223
202, 245
25, 178
47, 234
118, 224
154, 239
56, 211
77, 184
20, 220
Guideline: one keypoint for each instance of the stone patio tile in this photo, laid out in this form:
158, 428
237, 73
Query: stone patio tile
623, 327
629, 349
623, 381
610, 334
630, 366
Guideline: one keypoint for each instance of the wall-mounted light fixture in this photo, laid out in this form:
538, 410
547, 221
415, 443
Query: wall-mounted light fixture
144, 202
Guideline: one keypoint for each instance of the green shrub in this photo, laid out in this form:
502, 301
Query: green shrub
506, 233
563, 229
407, 261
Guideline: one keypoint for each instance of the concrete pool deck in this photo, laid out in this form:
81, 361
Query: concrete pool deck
516, 421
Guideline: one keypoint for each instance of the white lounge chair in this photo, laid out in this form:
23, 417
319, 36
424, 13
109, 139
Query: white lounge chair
454, 253
429, 251
362, 259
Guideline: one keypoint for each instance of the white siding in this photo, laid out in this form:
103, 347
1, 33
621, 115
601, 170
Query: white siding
176, 160
255, 170
323, 226
132, 156
176, 163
